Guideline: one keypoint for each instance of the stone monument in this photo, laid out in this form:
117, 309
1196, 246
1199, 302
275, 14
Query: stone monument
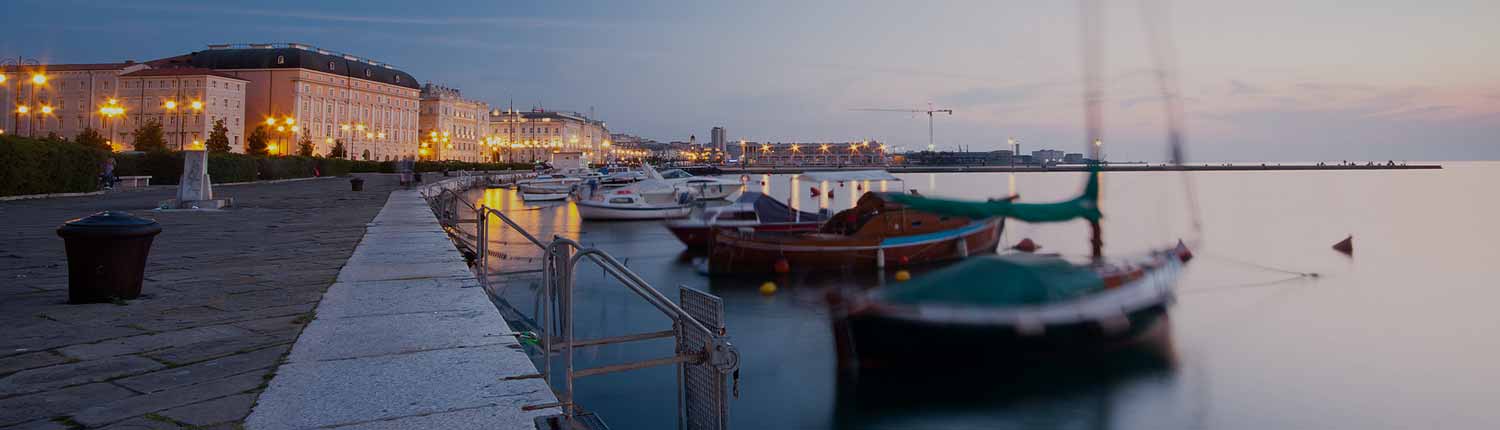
194, 190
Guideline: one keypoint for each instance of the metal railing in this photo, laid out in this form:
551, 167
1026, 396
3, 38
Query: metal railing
703, 354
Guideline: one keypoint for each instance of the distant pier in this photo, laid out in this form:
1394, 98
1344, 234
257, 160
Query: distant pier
1083, 168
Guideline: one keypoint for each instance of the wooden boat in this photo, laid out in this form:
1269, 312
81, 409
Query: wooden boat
875, 233
752, 210
1006, 308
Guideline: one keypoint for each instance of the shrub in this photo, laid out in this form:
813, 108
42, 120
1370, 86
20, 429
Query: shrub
149, 137
29, 166
334, 166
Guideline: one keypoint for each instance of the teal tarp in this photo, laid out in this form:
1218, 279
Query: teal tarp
998, 281
1084, 206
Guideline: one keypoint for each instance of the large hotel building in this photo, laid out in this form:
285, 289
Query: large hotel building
526, 136
61, 98
298, 90
452, 127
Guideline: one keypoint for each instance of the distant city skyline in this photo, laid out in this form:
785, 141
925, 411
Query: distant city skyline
1277, 80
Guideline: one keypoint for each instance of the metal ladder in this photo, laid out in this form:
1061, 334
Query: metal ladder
703, 354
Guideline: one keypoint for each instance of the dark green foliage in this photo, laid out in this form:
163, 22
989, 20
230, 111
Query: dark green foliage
305, 146
91, 138
149, 137
338, 150
53, 137
218, 139
334, 166
255, 143
29, 166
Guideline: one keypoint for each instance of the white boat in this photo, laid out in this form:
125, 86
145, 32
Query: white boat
547, 187
652, 198
702, 187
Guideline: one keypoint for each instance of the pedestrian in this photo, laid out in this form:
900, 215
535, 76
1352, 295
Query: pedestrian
108, 177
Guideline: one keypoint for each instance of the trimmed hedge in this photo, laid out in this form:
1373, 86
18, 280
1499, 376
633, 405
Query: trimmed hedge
31, 166
435, 166
166, 167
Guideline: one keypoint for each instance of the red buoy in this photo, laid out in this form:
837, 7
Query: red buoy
903, 260
1026, 245
1345, 246
782, 266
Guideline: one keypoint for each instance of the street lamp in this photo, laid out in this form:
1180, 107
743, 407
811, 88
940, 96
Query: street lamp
37, 79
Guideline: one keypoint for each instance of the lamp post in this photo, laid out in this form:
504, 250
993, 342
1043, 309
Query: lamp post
37, 79
111, 110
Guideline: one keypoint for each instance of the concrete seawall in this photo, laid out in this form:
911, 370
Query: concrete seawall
404, 339
1080, 168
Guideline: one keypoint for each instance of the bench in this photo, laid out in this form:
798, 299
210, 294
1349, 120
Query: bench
129, 182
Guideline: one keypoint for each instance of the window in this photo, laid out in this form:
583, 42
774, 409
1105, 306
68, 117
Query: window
367, 73
280, 59
330, 65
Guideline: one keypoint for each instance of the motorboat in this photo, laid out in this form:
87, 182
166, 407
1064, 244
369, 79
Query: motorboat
702, 187
876, 233
652, 198
752, 210
552, 186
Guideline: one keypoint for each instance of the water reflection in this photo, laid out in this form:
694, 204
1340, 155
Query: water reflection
1346, 350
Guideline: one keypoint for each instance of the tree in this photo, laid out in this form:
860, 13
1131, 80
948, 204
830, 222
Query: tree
338, 150
255, 144
367, 155
305, 146
91, 138
53, 137
149, 137
218, 139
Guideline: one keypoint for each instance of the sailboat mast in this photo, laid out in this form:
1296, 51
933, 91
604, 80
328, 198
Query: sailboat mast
1093, 67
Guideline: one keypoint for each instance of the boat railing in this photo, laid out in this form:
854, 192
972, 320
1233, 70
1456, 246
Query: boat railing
704, 357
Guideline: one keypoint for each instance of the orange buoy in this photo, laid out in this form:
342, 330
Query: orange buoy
782, 266
1345, 246
903, 276
1026, 245
768, 288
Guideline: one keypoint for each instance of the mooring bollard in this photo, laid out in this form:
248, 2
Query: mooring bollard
107, 255
356, 184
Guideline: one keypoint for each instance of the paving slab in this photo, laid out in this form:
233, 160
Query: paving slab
221, 410
83, 372
122, 409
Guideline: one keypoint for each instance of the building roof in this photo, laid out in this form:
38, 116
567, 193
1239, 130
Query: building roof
182, 71
73, 67
292, 56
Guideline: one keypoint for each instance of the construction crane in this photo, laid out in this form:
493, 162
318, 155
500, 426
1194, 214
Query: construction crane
929, 111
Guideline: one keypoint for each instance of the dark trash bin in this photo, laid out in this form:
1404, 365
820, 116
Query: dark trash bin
357, 184
417, 177
107, 255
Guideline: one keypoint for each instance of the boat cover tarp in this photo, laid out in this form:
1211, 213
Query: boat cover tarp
853, 175
1084, 206
771, 210
999, 281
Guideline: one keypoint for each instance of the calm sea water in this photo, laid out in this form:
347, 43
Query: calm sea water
1402, 335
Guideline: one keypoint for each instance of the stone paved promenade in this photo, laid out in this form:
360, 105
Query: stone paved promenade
226, 295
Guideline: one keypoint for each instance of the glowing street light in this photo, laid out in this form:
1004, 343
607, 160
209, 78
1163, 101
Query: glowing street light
47, 110
197, 105
170, 105
23, 109
39, 79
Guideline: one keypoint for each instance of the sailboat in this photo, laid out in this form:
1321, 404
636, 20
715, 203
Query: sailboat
1001, 308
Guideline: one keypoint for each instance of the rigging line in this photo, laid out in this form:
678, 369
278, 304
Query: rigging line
1248, 285
1155, 20
1261, 266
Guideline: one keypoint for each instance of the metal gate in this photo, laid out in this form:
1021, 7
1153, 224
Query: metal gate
705, 397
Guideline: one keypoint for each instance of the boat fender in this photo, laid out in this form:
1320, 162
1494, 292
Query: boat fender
859, 187
830, 194
782, 266
814, 191
768, 288
1026, 245
903, 260
1183, 253
903, 276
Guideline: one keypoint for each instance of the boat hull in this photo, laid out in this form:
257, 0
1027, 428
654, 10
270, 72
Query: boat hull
746, 252
593, 211
543, 196
876, 342
699, 236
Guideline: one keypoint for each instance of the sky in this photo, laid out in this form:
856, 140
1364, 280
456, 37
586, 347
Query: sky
1267, 80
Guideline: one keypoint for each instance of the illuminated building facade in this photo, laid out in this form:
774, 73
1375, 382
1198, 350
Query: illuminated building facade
451, 127
296, 89
528, 136
62, 98
185, 101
